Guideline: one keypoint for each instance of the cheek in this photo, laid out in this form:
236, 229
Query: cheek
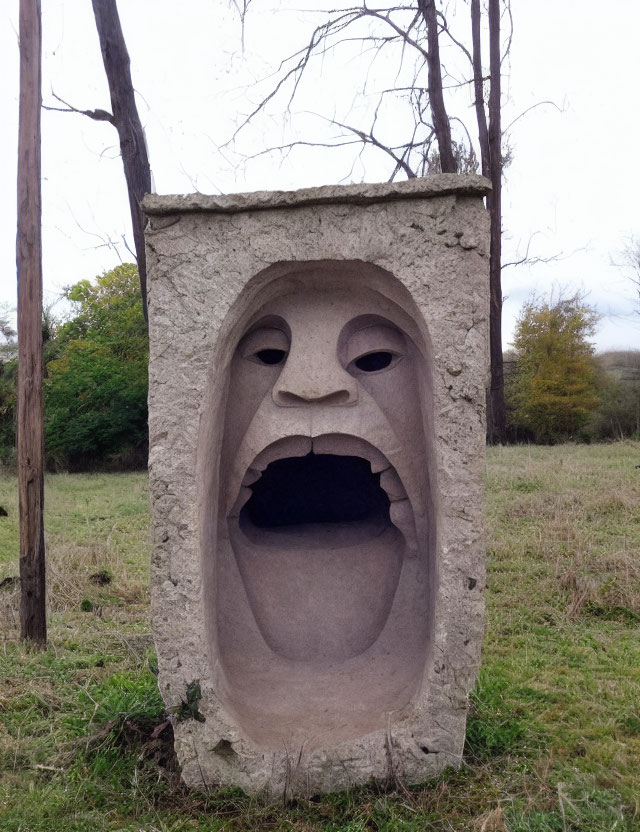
397, 394
249, 383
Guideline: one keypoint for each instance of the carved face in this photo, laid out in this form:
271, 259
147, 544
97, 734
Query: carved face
324, 514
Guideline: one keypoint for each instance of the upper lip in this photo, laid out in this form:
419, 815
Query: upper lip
294, 446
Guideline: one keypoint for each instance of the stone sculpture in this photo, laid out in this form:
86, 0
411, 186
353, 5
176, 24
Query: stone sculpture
317, 372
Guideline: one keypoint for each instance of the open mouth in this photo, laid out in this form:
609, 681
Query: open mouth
320, 529
316, 488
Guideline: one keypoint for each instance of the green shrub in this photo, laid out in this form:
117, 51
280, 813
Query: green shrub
8, 406
96, 404
96, 385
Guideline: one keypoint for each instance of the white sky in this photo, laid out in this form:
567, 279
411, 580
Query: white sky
574, 181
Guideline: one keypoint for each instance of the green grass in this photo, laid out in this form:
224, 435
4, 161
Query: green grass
554, 731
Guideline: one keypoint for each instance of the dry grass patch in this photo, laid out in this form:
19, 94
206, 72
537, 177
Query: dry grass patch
96, 540
575, 510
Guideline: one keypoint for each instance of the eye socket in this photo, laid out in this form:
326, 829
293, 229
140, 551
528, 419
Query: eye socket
270, 356
266, 346
374, 348
373, 361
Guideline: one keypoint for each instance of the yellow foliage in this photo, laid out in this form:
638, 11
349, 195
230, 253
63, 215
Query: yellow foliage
555, 384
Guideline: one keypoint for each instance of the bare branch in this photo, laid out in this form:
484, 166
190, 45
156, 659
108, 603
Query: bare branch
104, 237
322, 41
303, 56
96, 115
532, 261
471, 158
528, 110
242, 6
630, 255
447, 31
398, 30
286, 148
128, 247
398, 153
528, 260
369, 138
507, 48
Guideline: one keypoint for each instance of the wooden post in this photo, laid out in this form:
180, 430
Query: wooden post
33, 622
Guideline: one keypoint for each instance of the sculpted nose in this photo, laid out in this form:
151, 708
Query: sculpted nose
309, 379
289, 399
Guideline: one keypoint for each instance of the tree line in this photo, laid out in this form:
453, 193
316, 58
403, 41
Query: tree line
95, 377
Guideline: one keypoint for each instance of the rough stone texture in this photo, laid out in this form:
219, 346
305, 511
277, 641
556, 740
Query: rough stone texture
203, 252
364, 194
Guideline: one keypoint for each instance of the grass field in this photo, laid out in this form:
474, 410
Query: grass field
554, 733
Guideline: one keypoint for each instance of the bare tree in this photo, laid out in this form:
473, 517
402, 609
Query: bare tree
415, 29
441, 125
496, 410
33, 619
126, 120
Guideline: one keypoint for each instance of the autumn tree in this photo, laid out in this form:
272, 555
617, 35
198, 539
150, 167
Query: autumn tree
554, 387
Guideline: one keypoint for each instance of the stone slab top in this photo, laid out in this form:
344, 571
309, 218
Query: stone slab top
443, 184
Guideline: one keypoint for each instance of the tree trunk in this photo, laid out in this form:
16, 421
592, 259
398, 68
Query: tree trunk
496, 415
127, 122
478, 86
33, 619
436, 97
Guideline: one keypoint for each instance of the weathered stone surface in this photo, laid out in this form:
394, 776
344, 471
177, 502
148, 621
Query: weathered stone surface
363, 194
420, 250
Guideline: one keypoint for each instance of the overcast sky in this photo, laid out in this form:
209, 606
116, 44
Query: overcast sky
571, 190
